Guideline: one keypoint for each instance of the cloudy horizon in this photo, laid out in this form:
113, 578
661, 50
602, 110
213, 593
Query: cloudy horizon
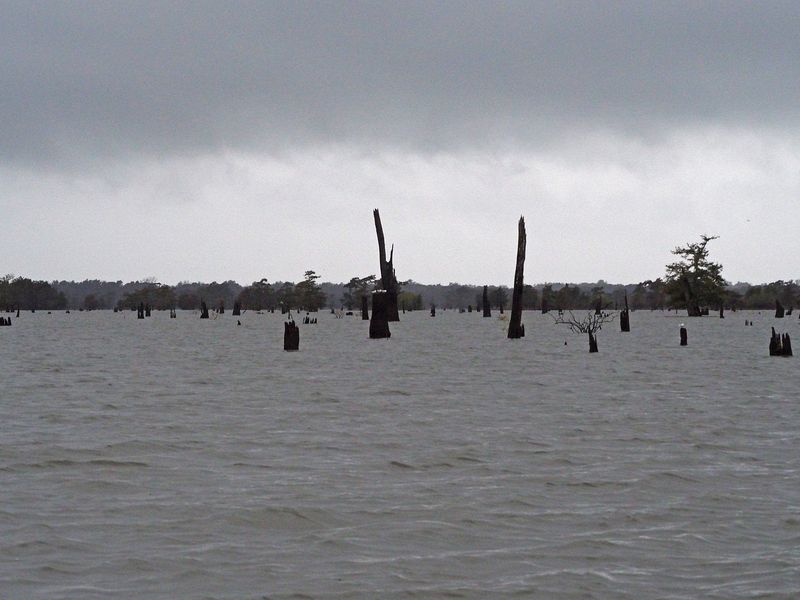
207, 141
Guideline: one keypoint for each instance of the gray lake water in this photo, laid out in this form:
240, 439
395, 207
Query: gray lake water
182, 458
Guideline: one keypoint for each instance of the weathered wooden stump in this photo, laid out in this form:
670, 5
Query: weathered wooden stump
364, 308
291, 336
379, 323
203, 310
516, 329
625, 317
780, 344
592, 343
684, 336
487, 309
778, 310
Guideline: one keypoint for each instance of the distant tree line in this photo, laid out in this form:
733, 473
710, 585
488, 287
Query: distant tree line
310, 294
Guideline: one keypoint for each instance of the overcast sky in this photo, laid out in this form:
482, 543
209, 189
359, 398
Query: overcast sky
236, 140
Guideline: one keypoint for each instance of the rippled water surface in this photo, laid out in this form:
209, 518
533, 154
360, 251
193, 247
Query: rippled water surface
181, 458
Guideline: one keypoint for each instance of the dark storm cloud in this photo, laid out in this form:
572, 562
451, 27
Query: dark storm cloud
110, 79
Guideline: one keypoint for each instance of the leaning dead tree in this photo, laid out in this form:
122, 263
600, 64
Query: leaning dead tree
388, 278
591, 324
515, 327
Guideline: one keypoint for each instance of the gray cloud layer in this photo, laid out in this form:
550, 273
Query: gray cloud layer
82, 81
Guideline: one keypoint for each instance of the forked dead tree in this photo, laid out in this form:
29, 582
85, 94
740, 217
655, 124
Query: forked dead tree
388, 278
590, 324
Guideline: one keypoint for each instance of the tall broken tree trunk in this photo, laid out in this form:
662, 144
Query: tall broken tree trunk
487, 310
515, 327
388, 278
379, 323
778, 310
625, 317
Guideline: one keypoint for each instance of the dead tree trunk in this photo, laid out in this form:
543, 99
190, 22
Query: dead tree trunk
379, 323
237, 309
684, 336
364, 309
625, 317
203, 310
433, 310
515, 327
721, 311
140, 311
778, 310
487, 310
388, 278
291, 336
147, 310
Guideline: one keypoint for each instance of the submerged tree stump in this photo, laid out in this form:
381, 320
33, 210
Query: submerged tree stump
237, 309
147, 310
625, 317
684, 336
487, 309
379, 323
140, 311
433, 310
515, 327
780, 344
364, 309
203, 310
388, 277
778, 310
721, 311
291, 336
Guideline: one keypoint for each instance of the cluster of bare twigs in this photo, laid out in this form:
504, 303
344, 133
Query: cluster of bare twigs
590, 323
